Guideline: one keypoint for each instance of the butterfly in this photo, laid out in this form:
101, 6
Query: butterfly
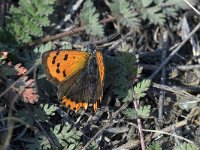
79, 76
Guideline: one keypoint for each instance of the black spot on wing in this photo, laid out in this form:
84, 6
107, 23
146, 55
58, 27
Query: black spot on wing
54, 60
66, 57
64, 74
57, 70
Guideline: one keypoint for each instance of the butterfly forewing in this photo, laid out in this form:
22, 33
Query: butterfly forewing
61, 65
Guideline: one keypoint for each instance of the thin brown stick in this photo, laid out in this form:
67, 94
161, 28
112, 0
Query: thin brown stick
178, 92
66, 33
139, 123
132, 144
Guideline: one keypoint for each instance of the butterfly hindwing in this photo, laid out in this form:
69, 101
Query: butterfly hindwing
75, 91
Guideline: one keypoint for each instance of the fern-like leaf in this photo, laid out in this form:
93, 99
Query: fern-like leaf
130, 113
39, 142
49, 109
90, 19
125, 15
146, 3
154, 146
66, 136
179, 4
41, 113
186, 146
154, 15
27, 20
141, 88
144, 111
129, 97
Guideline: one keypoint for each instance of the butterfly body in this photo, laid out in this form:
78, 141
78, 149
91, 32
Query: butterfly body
78, 75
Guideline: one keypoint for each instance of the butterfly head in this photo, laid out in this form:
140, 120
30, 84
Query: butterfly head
91, 48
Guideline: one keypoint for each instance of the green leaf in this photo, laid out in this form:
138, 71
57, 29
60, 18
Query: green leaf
43, 48
129, 97
128, 61
141, 87
146, 3
144, 111
130, 113
154, 146
90, 19
26, 20
186, 146
66, 136
25, 115
179, 4
39, 142
126, 16
93, 146
122, 69
154, 15
41, 113
7, 70
49, 109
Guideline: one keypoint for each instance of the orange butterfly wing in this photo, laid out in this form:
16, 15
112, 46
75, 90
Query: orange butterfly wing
61, 65
68, 71
101, 70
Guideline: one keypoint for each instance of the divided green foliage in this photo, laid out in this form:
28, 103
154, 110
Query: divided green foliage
93, 146
124, 74
130, 113
63, 137
129, 13
26, 21
186, 146
41, 113
154, 15
41, 49
126, 70
125, 15
144, 111
90, 19
66, 136
129, 97
141, 88
154, 146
